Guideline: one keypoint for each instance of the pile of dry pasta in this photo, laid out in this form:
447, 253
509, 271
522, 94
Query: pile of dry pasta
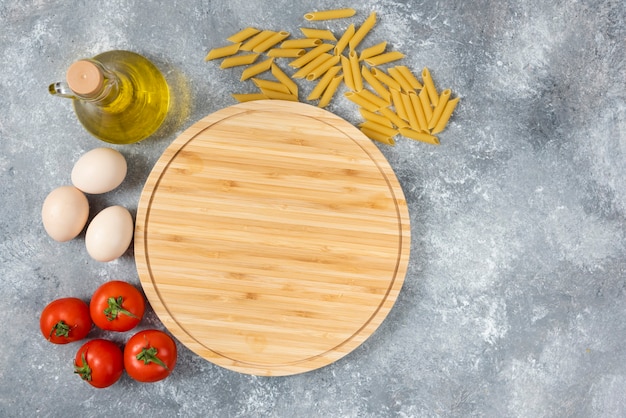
392, 102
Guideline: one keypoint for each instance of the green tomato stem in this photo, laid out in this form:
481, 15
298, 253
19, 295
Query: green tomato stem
83, 371
149, 355
115, 308
60, 329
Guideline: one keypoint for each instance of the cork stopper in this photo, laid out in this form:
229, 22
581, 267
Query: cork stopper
84, 77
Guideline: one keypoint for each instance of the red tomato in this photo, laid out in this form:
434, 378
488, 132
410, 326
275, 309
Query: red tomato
65, 320
99, 362
117, 306
150, 356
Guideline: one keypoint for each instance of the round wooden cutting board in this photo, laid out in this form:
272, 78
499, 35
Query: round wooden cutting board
272, 238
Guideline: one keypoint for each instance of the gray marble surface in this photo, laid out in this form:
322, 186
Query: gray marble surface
514, 301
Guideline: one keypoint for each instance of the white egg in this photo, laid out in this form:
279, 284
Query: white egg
64, 213
99, 171
109, 233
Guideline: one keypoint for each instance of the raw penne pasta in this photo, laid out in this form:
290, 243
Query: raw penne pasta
248, 97
385, 79
409, 76
321, 69
307, 69
371, 97
321, 85
363, 30
277, 95
375, 84
330, 14
256, 40
442, 101
266, 85
384, 58
271, 41
223, 51
373, 51
425, 101
419, 111
393, 117
243, 34
385, 130
347, 72
419, 136
238, 60
284, 79
397, 75
377, 136
318, 34
311, 55
396, 99
286, 53
430, 86
361, 101
342, 43
330, 91
355, 70
375, 117
256, 69
445, 116
301, 43
410, 112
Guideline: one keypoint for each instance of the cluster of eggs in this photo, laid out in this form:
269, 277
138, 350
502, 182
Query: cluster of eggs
65, 211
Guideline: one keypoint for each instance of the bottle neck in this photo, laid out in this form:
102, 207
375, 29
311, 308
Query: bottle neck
103, 87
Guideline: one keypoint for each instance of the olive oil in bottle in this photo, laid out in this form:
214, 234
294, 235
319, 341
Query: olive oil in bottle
120, 97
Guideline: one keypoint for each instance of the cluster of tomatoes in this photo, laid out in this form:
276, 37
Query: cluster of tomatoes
148, 356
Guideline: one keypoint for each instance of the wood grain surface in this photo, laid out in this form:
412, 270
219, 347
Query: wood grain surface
272, 238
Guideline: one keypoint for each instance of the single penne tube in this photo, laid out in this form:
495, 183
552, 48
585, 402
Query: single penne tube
321, 69
347, 72
396, 99
375, 84
385, 79
265, 85
419, 111
377, 136
243, 35
238, 60
271, 41
355, 69
409, 76
426, 104
321, 85
373, 51
375, 117
410, 112
442, 101
361, 101
318, 34
385, 130
419, 136
330, 14
371, 97
256, 69
330, 91
307, 69
300, 43
286, 52
397, 75
384, 58
445, 115
256, 40
363, 30
284, 79
277, 95
223, 51
430, 86
248, 97
311, 55
393, 117
342, 43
